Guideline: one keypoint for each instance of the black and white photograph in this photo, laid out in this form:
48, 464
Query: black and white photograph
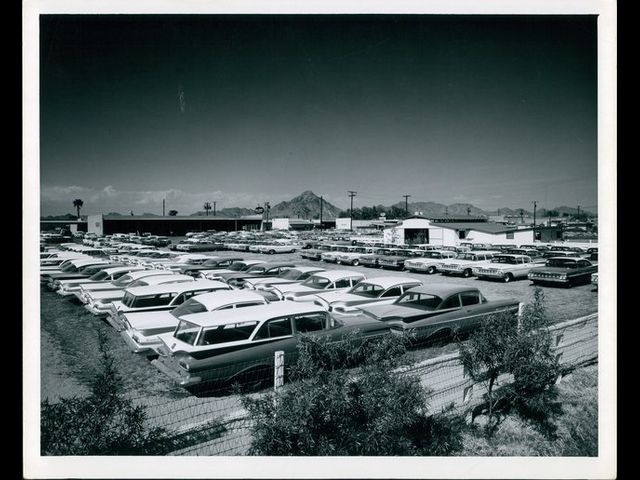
331, 243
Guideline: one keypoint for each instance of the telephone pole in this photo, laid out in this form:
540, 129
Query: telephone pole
535, 206
351, 194
406, 205
163, 207
321, 202
578, 210
214, 209
266, 208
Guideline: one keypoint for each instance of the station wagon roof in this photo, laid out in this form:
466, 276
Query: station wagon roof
512, 255
333, 275
568, 258
177, 287
147, 273
305, 268
249, 314
212, 299
386, 282
442, 290
130, 268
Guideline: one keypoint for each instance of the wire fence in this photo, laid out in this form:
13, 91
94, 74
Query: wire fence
213, 420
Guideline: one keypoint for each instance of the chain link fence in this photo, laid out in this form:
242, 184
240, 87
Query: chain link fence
213, 421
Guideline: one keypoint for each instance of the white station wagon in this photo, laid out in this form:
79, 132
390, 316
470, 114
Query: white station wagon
159, 297
373, 291
506, 267
428, 262
99, 303
464, 263
142, 328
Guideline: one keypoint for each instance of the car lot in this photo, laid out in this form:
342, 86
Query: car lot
70, 354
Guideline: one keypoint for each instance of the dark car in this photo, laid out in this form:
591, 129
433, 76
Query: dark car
372, 259
564, 271
228, 346
236, 279
439, 311
397, 257
213, 263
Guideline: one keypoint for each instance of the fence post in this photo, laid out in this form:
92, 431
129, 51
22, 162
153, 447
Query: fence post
520, 310
278, 371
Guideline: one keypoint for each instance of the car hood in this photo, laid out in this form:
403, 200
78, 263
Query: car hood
145, 320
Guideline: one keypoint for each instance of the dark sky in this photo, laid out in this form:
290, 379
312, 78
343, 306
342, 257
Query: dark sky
245, 109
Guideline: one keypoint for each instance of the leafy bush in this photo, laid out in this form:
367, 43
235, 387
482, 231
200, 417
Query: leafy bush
329, 410
104, 423
502, 346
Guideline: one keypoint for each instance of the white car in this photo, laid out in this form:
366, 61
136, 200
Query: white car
464, 263
99, 303
158, 297
296, 274
142, 328
373, 291
181, 261
277, 248
506, 267
331, 280
429, 262
352, 256
331, 256
71, 267
107, 275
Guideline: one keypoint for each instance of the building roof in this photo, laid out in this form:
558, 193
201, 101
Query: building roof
486, 227
451, 218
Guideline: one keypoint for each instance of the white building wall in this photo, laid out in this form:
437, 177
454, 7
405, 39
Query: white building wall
95, 224
280, 224
519, 237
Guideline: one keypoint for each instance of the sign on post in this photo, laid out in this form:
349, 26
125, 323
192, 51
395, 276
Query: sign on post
278, 371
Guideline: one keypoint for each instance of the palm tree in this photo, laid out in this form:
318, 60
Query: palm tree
207, 207
78, 203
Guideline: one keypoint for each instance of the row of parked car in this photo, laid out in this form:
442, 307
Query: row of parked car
222, 325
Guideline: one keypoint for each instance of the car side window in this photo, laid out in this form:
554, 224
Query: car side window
470, 298
355, 281
310, 323
392, 292
343, 283
304, 276
452, 302
277, 327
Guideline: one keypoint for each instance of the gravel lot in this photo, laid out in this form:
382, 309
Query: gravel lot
69, 345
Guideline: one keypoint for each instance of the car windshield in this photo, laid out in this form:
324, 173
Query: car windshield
315, 281
369, 290
101, 275
562, 263
423, 301
187, 332
190, 306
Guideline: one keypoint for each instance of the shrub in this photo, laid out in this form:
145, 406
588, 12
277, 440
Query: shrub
501, 346
329, 410
104, 423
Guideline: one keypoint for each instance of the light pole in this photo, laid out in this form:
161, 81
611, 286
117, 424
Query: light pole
351, 194
406, 205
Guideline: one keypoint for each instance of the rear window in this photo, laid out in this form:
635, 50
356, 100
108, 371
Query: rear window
310, 323
470, 298
188, 307
144, 301
187, 332
419, 300
278, 327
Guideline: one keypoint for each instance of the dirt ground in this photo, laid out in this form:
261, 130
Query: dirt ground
69, 345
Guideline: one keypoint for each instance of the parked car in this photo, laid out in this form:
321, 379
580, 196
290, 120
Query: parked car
438, 312
158, 297
327, 281
352, 256
315, 253
74, 266
181, 261
99, 302
464, 263
296, 274
261, 270
372, 259
373, 291
212, 263
273, 248
141, 329
119, 284
221, 348
563, 271
429, 262
237, 266
505, 267
104, 275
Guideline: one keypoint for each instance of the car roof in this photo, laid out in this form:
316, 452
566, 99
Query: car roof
81, 262
147, 273
278, 264
515, 255
256, 313
337, 274
129, 268
213, 299
568, 258
442, 290
307, 268
177, 287
390, 281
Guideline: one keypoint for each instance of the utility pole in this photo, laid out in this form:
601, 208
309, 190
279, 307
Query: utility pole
214, 209
468, 211
321, 202
351, 194
535, 206
207, 207
163, 207
578, 210
266, 209
446, 211
406, 205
